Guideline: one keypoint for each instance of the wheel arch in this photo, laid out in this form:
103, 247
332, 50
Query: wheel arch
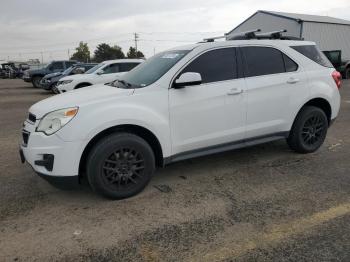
321, 103
82, 84
140, 131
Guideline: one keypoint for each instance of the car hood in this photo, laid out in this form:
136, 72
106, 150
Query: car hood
77, 77
52, 75
80, 98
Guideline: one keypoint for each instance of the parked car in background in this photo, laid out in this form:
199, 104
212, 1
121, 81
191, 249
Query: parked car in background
34, 76
183, 103
49, 81
9, 70
342, 65
102, 73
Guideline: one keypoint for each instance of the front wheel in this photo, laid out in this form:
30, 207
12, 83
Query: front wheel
309, 130
36, 81
120, 165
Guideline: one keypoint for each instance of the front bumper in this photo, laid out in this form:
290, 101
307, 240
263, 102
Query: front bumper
45, 84
50, 156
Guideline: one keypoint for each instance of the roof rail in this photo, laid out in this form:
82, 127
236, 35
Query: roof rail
252, 34
244, 35
212, 39
273, 35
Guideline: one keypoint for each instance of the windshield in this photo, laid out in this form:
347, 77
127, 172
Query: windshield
91, 70
67, 71
154, 68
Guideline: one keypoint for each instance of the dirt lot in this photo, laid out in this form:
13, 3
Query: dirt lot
257, 204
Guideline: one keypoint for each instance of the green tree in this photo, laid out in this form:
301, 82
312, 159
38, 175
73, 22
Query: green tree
106, 52
82, 53
133, 54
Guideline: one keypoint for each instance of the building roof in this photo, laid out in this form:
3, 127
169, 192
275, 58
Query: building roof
307, 18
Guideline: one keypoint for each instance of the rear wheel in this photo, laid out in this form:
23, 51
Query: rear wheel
309, 130
120, 166
36, 81
347, 73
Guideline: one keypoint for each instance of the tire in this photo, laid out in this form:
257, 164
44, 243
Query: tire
347, 73
120, 166
309, 130
36, 81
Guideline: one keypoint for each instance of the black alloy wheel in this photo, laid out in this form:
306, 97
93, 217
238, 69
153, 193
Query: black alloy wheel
309, 130
120, 165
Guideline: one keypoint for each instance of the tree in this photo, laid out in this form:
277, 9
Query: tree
106, 52
133, 54
82, 53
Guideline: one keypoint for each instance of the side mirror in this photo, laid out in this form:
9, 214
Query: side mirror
188, 79
99, 72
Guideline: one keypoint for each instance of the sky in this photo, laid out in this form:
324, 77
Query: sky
29, 28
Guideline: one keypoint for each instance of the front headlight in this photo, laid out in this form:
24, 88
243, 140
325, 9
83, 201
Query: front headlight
54, 121
65, 82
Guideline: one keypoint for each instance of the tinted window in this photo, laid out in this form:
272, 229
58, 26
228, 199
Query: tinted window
290, 65
262, 61
110, 69
126, 67
215, 65
57, 66
313, 53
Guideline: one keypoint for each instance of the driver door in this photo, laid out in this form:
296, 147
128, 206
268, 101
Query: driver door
210, 114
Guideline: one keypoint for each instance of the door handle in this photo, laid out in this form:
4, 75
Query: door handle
293, 80
235, 91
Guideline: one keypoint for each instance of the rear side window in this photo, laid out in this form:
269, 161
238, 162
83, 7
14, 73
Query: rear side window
289, 64
262, 61
216, 65
313, 53
126, 67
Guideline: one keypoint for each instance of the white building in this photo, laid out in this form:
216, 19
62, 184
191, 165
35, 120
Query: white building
328, 32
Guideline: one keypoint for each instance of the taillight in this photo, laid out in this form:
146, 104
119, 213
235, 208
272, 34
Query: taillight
337, 78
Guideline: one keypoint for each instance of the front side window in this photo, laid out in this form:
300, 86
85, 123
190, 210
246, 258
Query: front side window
57, 66
313, 53
126, 67
215, 65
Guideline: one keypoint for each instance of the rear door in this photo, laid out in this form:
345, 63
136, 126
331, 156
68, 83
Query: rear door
273, 80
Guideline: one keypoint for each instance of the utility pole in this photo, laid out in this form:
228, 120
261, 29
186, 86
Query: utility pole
42, 58
68, 54
136, 40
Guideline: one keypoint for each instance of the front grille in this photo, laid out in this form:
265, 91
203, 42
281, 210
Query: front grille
32, 118
25, 135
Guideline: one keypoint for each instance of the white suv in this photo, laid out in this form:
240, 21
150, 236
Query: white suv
183, 103
102, 73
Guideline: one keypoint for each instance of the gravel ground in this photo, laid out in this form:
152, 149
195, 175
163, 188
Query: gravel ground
256, 204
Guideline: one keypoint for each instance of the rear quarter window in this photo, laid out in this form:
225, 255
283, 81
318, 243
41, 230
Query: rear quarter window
313, 53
